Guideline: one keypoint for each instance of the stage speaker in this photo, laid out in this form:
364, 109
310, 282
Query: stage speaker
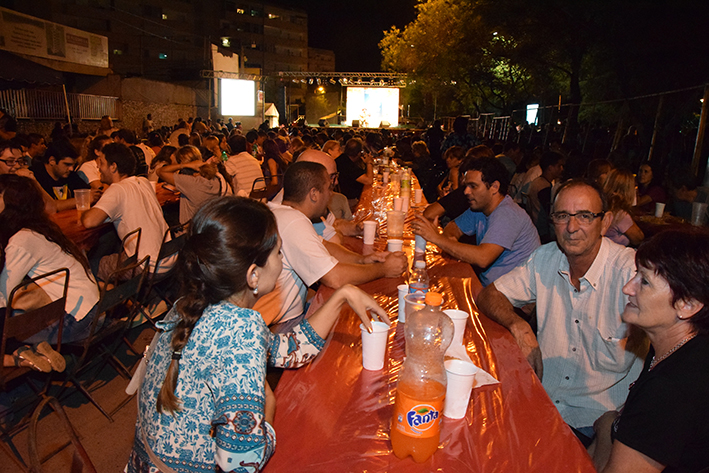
355, 123
384, 124
323, 123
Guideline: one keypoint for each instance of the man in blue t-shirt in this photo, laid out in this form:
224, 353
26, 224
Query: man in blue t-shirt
504, 233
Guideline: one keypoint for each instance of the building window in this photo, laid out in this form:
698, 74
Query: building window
162, 56
117, 52
273, 16
240, 11
164, 16
226, 42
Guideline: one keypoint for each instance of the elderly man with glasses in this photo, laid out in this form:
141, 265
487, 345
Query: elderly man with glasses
587, 355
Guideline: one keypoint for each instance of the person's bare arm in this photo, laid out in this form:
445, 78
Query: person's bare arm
93, 217
367, 178
167, 172
342, 254
347, 273
635, 235
362, 303
273, 167
497, 307
481, 256
627, 460
435, 210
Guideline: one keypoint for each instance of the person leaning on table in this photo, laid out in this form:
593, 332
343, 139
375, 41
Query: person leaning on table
664, 425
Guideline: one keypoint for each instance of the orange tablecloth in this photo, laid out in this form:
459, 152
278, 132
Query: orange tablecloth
333, 416
70, 223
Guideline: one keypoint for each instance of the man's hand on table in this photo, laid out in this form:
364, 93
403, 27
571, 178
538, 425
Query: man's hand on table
395, 264
527, 341
423, 227
376, 257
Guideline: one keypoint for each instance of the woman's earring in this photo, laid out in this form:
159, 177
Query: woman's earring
255, 290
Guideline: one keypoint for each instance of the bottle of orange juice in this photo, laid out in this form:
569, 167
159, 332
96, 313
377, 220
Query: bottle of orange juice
418, 408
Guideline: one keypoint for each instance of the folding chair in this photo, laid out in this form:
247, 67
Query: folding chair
132, 259
106, 338
162, 285
259, 190
81, 463
20, 326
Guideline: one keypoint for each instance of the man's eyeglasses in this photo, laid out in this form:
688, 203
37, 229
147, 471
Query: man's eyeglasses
583, 217
9, 162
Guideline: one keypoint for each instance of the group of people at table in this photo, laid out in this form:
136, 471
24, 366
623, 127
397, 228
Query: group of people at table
620, 338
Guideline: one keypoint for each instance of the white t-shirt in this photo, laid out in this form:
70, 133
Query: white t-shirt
89, 172
148, 152
244, 169
305, 261
30, 254
132, 203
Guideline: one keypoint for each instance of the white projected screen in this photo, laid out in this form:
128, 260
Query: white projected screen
371, 106
238, 97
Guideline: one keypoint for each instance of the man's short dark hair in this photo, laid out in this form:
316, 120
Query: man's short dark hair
510, 145
35, 138
122, 156
59, 149
302, 176
491, 169
353, 147
583, 183
549, 159
251, 136
127, 135
8, 144
237, 143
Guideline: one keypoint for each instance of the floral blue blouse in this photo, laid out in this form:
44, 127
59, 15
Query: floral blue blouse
221, 386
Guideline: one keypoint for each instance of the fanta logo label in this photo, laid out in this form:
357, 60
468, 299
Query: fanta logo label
422, 417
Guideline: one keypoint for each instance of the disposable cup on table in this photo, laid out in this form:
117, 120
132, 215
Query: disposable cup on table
395, 224
403, 291
394, 245
405, 204
82, 197
420, 243
370, 229
659, 209
699, 213
374, 345
413, 302
461, 375
418, 196
459, 318
397, 203
385, 177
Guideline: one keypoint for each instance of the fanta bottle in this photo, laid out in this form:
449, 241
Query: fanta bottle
418, 409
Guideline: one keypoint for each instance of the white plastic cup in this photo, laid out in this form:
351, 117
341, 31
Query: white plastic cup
404, 204
394, 245
385, 177
370, 229
413, 302
395, 224
659, 209
403, 291
374, 345
82, 197
460, 319
418, 196
699, 213
461, 375
420, 244
398, 202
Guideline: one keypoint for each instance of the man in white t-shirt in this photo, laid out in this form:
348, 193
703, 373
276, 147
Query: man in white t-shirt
129, 202
243, 168
307, 258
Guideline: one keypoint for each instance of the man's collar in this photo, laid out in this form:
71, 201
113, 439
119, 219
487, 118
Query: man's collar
594, 273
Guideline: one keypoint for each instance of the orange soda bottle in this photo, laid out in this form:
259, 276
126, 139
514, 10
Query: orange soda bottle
421, 390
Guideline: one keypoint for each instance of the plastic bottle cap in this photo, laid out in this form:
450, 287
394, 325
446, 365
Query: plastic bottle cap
434, 298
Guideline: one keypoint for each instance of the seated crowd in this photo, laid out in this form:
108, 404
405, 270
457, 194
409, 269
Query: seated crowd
617, 337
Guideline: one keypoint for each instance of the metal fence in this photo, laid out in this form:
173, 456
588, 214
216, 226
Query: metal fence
50, 105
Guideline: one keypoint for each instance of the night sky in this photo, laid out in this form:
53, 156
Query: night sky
352, 29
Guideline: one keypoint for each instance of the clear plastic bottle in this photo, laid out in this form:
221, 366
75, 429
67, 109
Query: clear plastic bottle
421, 390
405, 192
418, 280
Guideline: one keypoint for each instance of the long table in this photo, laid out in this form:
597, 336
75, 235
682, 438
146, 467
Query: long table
334, 416
70, 221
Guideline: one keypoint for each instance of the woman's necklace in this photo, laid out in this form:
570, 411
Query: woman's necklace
655, 360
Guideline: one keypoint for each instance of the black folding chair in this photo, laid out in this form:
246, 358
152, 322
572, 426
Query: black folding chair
108, 330
16, 327
161, 286
80, 463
